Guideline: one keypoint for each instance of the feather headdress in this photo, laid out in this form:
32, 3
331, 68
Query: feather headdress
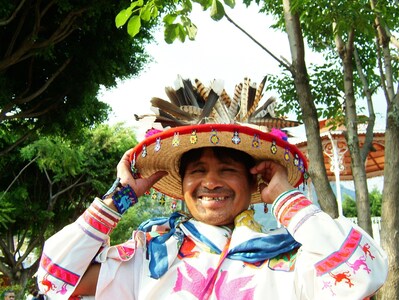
197, 104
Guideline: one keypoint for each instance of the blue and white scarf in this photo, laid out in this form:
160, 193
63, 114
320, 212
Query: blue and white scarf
251, 247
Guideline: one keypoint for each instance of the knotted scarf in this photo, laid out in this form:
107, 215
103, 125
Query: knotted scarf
251, 247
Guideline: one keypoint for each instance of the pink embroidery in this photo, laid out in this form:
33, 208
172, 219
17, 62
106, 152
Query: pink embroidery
58, 272
63, 289
233, 289
194, 283
361, 262
327, 285
342, 255
125, 252
342, 276
224, 290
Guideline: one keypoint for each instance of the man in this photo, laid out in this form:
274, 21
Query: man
218, 251
9, 295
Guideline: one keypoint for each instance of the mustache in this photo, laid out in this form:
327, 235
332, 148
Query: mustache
203, 191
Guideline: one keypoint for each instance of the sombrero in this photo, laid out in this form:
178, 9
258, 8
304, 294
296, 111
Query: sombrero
162, 150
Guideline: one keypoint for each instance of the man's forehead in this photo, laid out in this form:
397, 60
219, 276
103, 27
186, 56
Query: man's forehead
219, 154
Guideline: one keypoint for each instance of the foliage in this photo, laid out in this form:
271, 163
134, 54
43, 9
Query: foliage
4, 288
177, 23
58, 178
54, 58
349, 204
149, 206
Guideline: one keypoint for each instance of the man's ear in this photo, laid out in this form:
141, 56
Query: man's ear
254, 183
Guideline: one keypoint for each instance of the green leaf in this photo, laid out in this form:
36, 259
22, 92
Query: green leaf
181, 33
191, 31
122, 17
217, 10
230, 3
169, 19
170, 33
174, 31
145, 13
133, 26
204, 3
189, 28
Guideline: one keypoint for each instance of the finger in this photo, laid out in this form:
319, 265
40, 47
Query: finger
144, 184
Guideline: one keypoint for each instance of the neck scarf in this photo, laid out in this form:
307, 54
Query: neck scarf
251, 247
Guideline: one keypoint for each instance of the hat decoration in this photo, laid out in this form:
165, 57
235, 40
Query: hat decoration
208, 117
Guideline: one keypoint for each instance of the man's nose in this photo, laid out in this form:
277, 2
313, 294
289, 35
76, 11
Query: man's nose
212, 180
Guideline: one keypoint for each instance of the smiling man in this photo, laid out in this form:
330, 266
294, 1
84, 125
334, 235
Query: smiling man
217, 250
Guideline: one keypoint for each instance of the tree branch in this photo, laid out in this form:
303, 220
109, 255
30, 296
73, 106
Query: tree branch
19, 174
281, 62
5, 22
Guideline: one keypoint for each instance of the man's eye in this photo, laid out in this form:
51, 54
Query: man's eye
198, 170
228, 170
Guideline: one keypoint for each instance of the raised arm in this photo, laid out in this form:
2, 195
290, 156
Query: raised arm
67, 264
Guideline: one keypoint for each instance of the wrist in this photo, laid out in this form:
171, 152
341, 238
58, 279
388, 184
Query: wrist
120, 197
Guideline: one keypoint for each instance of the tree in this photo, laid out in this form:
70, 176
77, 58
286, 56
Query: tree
54, 57
59, 178
150, 206
349, 204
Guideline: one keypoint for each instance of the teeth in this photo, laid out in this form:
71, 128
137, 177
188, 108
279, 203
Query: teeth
212, 198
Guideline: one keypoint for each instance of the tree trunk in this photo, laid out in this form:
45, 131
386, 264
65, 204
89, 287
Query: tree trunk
346, 52
317, 169
390, 203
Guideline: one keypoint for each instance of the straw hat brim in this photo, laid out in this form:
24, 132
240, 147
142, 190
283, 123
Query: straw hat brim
163, 150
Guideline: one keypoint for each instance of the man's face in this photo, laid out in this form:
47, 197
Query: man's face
9, 296
216, 191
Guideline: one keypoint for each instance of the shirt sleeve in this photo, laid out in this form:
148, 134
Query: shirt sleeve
337, 259
67, 254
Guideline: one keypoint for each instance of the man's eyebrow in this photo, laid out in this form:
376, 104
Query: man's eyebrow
194, 163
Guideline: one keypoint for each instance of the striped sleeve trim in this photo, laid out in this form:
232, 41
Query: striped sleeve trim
58, 272
288, 204
339, 257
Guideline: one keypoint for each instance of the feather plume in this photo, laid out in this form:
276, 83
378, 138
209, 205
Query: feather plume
192, 110
251, 96
244, 99
195, 104
170, 109
189, 93
173, 97
214, 94
235, 103
267, 109
221, 110
179, 90
202, 91
257, 97
273, 122
225, 99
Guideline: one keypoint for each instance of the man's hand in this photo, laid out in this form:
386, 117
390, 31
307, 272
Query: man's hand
139, 185
275, 180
